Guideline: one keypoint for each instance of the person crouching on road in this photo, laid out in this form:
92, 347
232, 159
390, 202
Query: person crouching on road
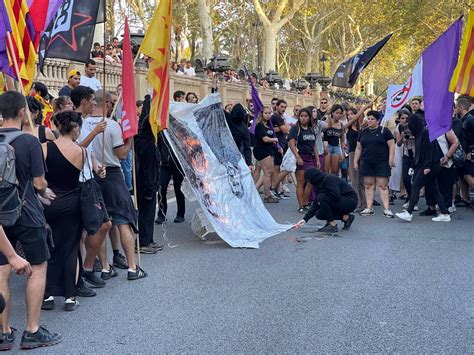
336, 200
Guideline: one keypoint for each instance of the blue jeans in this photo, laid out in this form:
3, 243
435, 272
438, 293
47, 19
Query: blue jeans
127, 170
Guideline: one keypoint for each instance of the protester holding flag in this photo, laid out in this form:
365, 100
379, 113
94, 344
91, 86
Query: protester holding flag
427, 168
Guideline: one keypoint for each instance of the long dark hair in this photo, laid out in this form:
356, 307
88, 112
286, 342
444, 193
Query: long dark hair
356, 123
309, 112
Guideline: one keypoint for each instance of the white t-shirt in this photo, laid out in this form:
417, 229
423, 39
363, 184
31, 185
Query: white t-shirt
113, 139
93, 82
189, 71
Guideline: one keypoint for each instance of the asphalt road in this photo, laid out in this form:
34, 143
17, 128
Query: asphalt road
384, 286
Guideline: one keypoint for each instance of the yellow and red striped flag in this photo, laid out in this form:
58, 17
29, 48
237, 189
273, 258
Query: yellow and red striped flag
156, 45
462, 81
22, 36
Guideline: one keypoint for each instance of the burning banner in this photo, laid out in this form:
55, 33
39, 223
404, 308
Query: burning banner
218, 175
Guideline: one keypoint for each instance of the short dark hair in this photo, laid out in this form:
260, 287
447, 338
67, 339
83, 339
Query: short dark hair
41, 89
139, 103
11, 102
464, 102
115, 38
417, 98
275, 98
91, 62
66, 121
191, 93
374, 113
281, 101
96, 44
80, 93
177, 94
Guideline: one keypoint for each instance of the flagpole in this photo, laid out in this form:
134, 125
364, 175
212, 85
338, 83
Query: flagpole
135, 202
17, 70
104, 108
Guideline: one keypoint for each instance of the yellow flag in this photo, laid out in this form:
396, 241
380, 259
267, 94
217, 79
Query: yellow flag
156, 45
462, 81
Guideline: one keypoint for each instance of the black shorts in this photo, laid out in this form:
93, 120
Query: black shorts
468, 168
375, 168
34, 241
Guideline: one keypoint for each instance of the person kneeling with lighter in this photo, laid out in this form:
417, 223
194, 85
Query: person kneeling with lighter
335, 201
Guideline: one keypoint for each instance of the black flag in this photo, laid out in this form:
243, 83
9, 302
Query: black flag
70, 34
348, 72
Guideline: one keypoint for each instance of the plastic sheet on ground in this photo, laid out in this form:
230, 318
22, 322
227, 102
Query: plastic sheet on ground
218, 175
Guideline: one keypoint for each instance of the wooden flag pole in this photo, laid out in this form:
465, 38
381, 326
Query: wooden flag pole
17, 71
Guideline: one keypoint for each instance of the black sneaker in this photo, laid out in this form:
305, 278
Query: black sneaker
7, 339
138, 274
71, 304
147, 250
92, 279
428, 212
160, 220
156, 246
97, 265
48, 304
328, 229
41, 338
348, 222
179, 219
107, 275
120, 261
84, 291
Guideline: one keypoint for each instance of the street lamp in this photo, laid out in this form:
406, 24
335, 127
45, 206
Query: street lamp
272, 78
219, 63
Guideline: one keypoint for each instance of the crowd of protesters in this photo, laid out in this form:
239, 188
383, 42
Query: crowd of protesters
74, 180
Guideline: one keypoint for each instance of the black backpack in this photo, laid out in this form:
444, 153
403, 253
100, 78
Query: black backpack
10, 201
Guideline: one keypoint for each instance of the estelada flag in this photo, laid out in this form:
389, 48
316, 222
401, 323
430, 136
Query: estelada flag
156, 45
22, 35
129, 107
462, 81
71, 33
347, 73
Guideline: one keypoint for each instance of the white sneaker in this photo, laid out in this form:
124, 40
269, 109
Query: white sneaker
452, 209
416, 208
442, 218
405, 205
388, 214
405, 216
284, 188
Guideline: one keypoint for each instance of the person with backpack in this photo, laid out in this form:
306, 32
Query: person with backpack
21, 157
302, 142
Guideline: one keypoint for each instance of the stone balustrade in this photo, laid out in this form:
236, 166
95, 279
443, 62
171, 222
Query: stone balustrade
56, 71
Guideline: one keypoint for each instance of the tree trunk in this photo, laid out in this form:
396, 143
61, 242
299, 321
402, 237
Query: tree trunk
270, 33
309, 62
204, 10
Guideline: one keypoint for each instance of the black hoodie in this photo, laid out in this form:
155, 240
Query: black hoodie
328, 184
147, 159
237, 122
427, 154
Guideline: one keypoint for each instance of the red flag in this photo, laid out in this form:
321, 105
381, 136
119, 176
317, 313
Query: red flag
38, 13
129, 108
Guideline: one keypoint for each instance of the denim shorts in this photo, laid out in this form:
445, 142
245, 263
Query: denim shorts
334, 150
118, 219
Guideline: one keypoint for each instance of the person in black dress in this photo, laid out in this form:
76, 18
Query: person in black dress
64, 160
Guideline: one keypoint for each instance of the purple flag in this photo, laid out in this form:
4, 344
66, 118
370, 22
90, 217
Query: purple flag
52, 10
4, 28
439, 61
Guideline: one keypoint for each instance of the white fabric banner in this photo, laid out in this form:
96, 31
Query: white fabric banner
218, 175
399, 95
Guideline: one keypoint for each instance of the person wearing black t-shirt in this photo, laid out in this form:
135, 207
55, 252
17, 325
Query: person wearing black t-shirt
352, 134
334, 141
375, 153
281, 130
265, 144
302, 142
30, 228
323, 109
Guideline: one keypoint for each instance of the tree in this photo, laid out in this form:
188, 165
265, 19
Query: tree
272, 25
204, 11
